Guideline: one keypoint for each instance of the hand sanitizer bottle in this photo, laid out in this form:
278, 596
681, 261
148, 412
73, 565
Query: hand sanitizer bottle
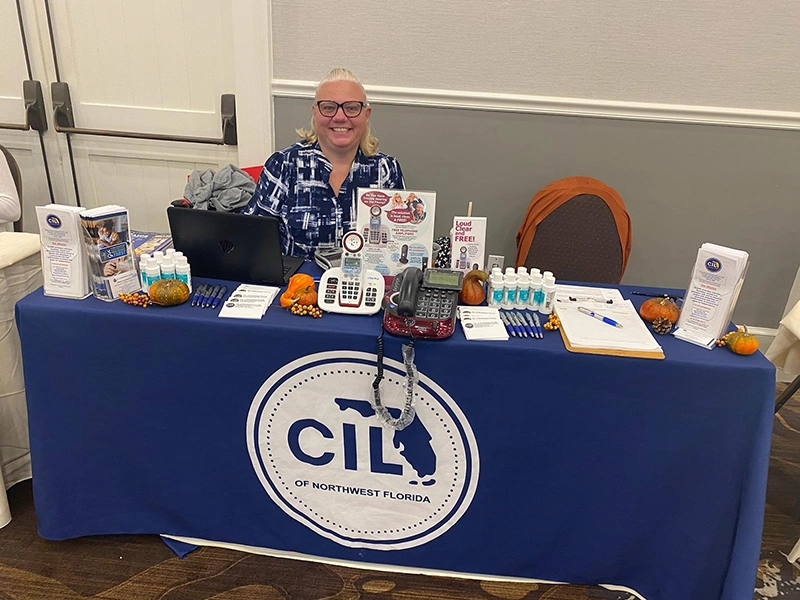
510, 288
142, 267
167, 268
153, 272
183, 272
495, 289
536, 296
524, 284
549, 289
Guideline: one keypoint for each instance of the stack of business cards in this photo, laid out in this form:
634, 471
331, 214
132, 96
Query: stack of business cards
249, 302
482, 323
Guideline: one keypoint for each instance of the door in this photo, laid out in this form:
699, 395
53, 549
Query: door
16, 133
140, 90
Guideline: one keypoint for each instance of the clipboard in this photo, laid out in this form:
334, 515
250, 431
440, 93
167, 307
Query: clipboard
654, 354
586, 335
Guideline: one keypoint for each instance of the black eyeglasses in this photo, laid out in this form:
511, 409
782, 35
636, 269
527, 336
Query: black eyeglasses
351, 108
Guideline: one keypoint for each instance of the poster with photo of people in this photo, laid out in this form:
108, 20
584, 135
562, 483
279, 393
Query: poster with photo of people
397, 226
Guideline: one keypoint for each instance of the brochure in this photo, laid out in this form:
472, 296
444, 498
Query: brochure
63, 254
468, 243
106, 236
147, 242
717, 279
397, 226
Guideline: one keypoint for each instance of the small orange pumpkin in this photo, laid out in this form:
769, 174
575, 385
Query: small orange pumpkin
472, 290
168, 292
742, 342
300, 286
306, 296
653, 308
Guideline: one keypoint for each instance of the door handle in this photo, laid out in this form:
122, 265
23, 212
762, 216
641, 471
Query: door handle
64, 121
35, 115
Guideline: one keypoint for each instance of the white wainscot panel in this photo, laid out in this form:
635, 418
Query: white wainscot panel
142, 179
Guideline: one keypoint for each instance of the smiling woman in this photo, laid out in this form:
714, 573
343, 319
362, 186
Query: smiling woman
310, 186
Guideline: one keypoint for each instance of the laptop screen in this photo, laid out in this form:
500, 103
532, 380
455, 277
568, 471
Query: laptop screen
223, 245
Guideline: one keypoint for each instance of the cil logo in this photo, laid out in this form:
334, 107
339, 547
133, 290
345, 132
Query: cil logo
713, 264
226, 246
53, 221
327, 461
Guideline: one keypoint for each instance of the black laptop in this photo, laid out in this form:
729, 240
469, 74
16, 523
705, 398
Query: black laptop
223, 245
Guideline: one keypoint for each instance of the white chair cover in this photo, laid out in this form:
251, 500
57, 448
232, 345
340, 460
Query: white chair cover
784, 351
20, 274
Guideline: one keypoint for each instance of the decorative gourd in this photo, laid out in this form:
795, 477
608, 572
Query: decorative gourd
300, 287
307, 296
168, 292
654, 308
742, 342
472, 290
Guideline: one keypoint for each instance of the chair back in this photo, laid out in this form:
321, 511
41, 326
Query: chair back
579, 229
16, 175
254, 172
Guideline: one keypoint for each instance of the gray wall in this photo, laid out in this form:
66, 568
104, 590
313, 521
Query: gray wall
682, 184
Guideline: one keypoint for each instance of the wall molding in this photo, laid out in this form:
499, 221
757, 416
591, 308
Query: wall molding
573, 107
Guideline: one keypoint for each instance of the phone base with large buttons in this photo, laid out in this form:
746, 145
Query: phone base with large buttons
423, 304
351, 288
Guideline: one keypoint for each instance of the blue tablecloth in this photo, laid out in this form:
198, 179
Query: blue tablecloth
566, 467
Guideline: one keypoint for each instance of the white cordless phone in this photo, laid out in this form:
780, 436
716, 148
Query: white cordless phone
351, 288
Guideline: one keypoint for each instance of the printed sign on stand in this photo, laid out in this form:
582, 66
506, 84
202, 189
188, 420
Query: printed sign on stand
397, 226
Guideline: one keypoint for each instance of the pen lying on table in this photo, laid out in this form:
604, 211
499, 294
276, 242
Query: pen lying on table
598, 316
198, 294
520, 324
534, 324
656, 295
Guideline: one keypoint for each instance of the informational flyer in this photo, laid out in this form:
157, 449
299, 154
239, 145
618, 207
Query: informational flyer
711, 297
109, 252
63, 256
468, 241
397, 226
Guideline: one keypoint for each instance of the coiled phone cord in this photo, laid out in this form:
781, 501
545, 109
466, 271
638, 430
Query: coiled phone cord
408, 413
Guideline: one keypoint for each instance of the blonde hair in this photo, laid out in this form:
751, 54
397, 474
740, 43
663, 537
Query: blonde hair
368, 143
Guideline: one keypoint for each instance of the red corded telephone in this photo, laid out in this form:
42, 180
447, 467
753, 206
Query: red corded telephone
423, 304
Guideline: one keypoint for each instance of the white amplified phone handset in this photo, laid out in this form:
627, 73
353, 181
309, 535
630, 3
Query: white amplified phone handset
351, 288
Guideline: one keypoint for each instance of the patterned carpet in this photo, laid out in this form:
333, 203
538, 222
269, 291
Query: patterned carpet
143, 568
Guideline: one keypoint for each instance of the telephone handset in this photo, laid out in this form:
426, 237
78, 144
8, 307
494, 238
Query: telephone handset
351, 288
423, 304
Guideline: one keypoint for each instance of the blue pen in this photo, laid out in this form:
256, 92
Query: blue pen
214, 292
598, 316
504, 319
536, 333
531, 330
531, 324
514, 324
219, 296
523, 325
198, 294
538, 325
520, 323
206, 294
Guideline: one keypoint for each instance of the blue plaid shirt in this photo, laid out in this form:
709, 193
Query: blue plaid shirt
294, 188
